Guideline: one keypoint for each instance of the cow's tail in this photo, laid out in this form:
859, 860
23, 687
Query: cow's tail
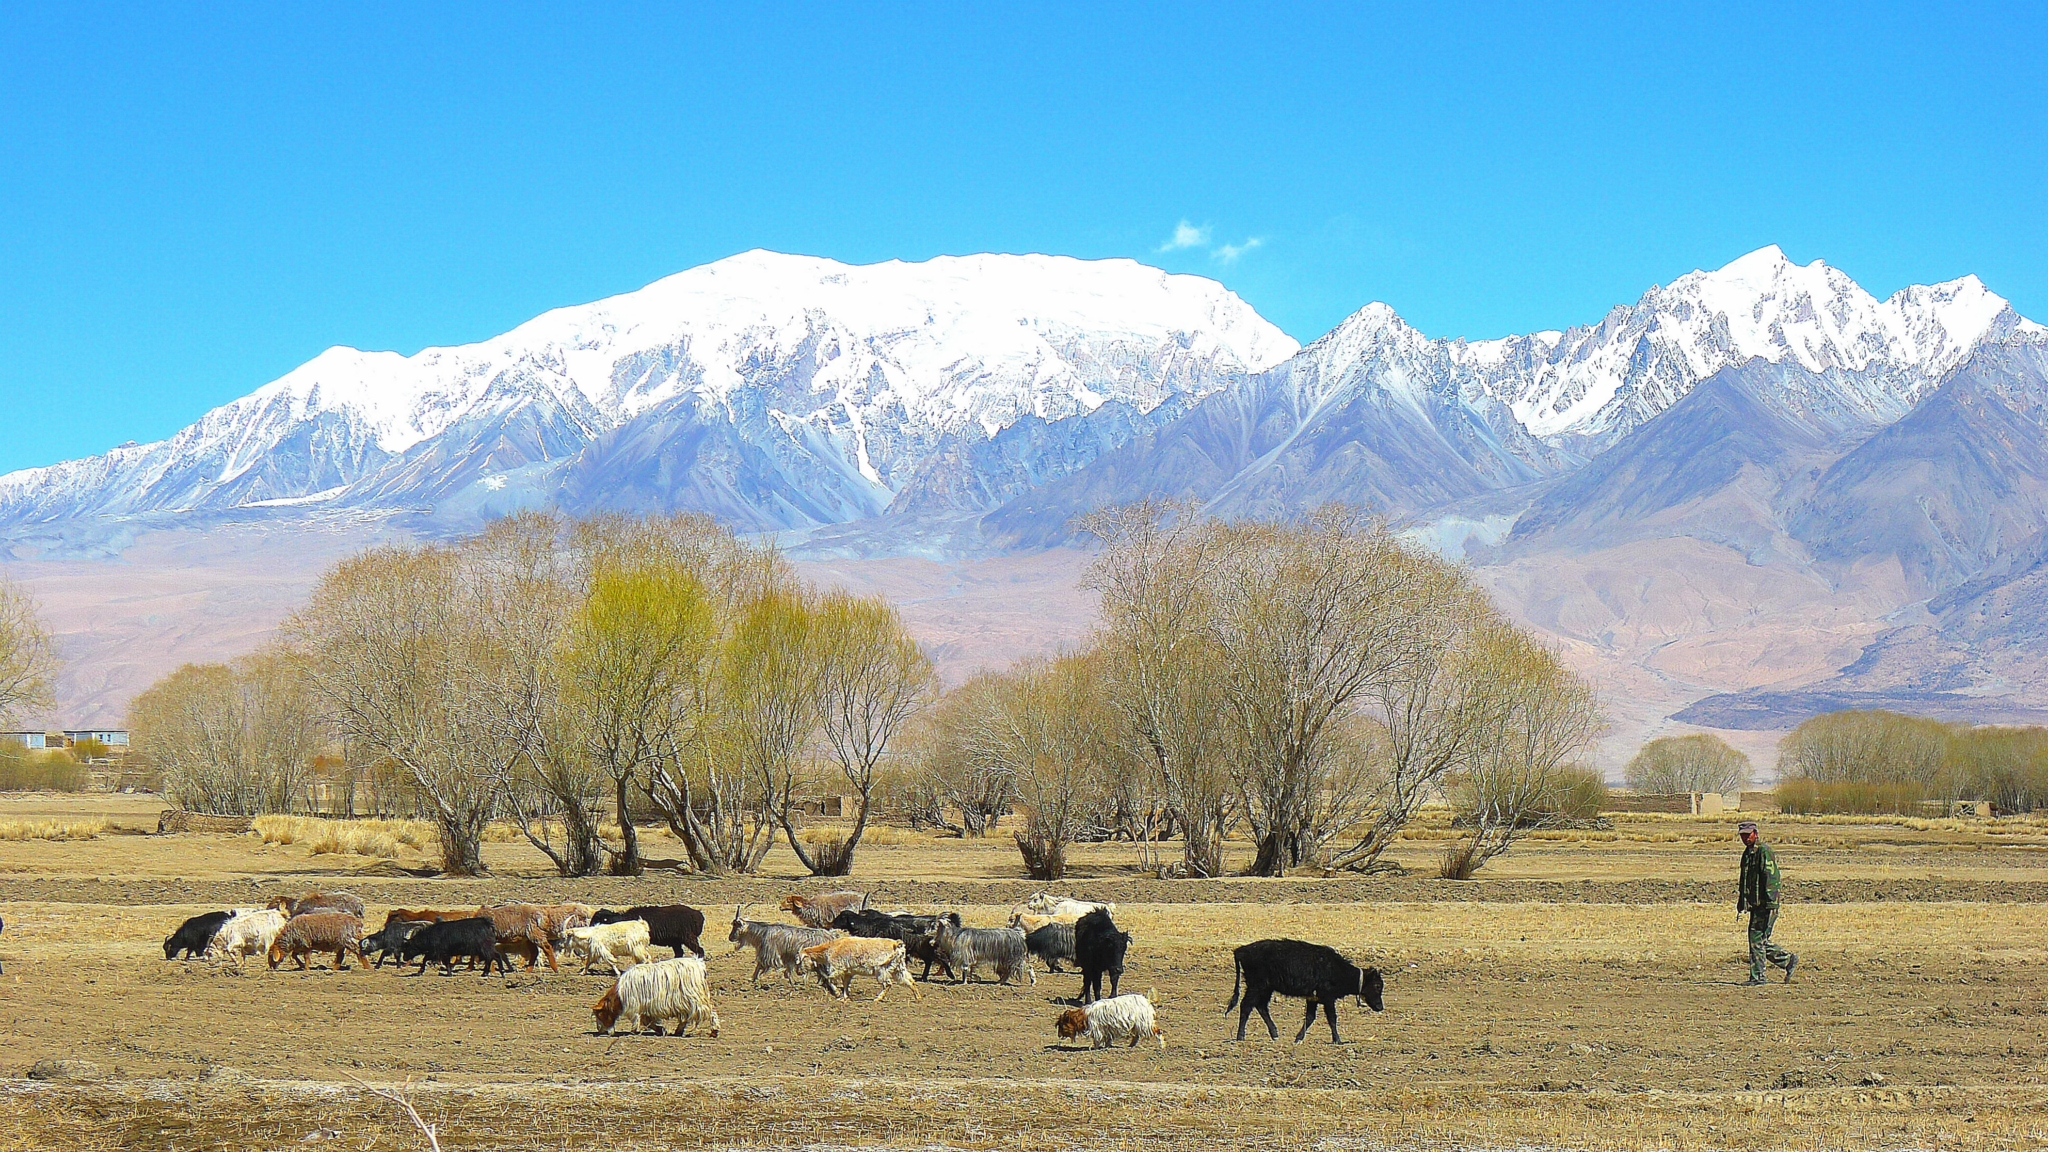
1236, 981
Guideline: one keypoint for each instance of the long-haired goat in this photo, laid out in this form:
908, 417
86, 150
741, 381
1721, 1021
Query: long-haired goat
347, 902
837, 962
318, 933
818, 911
250, 933
1052, 943
1112, 1021
1065, 909
647, 994
612, 943
776, 945
967, 949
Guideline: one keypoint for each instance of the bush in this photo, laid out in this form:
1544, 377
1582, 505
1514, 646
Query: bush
24, 771
1803, 797
1580, 794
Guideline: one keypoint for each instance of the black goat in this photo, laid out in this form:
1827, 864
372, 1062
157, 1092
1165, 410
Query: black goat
475, 938
1098, 949
391, 938
1052, 944
676, 926
195, 934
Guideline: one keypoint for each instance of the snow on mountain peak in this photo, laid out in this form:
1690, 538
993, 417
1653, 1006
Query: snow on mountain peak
1607, 379
860, 369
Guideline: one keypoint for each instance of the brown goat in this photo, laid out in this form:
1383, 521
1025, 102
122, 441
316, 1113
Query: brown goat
819, 911
318, 933
532, 930
427, 915
347, 902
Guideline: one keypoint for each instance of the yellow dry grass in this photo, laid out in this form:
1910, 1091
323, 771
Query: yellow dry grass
384, 839
52, 829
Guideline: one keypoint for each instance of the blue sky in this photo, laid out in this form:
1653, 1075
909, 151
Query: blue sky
195, 200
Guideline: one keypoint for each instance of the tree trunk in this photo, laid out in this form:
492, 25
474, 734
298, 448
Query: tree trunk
1279, 850
1044, 858
628, 862
462, 848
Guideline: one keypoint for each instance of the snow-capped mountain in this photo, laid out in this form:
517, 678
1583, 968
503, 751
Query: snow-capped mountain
820, 389
1377, 414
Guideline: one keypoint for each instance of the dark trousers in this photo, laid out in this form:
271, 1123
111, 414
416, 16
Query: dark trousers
1761, 950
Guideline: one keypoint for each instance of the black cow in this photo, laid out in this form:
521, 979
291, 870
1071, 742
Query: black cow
391, 938
1099, 948
676, 926
1052, 944
195, 934
1293, 968
475, 938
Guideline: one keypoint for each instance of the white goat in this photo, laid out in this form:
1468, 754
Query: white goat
1059, 908
1119, 1019
647, 994
621, 945
250, 933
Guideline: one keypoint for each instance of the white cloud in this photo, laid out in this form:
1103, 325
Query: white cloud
1186, 235
1228, 253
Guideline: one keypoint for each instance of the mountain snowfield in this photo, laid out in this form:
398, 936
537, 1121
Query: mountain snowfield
1745, 482
860, 369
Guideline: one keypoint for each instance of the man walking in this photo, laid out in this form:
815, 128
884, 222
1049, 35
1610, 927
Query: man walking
1757, 893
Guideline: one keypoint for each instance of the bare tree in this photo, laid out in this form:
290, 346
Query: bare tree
282, 726
188, 727
1042, 723
956, 766
872, 678
1163, 667
1701, 762
769, 710
1309, 617
391, 652
1431, 702
519, 589
1541, 720
28, 658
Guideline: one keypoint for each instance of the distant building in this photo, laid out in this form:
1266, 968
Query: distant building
111, 737
35, 741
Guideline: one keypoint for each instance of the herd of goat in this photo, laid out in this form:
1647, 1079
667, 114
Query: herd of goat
837, 938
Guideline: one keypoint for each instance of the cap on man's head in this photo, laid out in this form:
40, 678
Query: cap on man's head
1746, 826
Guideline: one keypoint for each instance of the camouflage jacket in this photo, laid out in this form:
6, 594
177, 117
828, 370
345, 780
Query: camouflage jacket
1761, 880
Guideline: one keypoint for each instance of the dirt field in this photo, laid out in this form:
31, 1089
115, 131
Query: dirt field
1584, 995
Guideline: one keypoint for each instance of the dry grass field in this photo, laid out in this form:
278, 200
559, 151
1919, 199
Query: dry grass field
1583, 995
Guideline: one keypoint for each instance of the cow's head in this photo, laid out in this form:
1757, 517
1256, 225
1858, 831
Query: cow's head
738, 924
793, 902
1072, 1023
276, 954
607, 1009
170, 946
1372, 989
811, 958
